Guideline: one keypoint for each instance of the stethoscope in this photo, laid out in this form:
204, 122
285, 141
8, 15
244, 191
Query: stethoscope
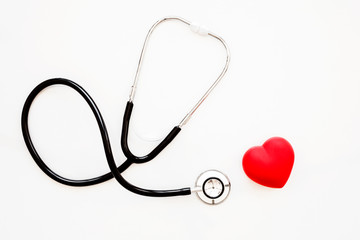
211, 186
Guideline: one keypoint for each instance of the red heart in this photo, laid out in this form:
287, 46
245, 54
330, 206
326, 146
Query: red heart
270, 164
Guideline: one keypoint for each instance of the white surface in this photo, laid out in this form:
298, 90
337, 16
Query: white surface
294, 73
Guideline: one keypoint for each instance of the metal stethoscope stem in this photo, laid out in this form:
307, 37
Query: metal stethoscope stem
196, 29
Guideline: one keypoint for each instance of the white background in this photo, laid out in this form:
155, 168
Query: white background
294, 73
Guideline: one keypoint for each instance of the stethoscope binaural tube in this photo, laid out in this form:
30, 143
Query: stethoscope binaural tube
115, 171
198, 30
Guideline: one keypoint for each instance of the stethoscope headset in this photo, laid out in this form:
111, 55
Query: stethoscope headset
211, 186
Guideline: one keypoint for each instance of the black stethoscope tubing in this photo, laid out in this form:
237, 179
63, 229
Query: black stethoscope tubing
115, 171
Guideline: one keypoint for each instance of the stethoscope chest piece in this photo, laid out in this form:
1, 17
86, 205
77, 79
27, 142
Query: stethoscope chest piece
212, 187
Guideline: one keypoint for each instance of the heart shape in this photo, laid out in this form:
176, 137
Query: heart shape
270, 164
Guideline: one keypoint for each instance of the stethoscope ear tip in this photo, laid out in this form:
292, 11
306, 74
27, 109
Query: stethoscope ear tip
212, 187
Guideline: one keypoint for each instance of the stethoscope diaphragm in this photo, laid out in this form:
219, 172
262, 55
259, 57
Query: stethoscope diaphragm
212, 187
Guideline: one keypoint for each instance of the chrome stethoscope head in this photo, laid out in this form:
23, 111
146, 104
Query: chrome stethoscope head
196, 29
212, 187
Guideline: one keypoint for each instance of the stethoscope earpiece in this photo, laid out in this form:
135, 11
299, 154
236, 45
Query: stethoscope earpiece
212, 187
